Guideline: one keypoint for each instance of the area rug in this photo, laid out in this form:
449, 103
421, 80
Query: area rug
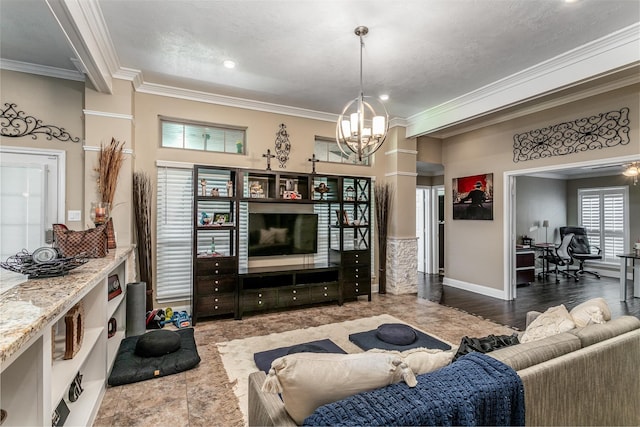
237, 355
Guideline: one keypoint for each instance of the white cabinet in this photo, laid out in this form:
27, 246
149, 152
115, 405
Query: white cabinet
35, 377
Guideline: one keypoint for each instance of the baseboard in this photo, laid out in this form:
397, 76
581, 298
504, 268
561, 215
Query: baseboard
472, 287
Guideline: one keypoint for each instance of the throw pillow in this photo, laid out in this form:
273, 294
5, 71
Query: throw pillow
422, 360
279, 234
595, 310
310, 380
553, 321
157, 343
267, 237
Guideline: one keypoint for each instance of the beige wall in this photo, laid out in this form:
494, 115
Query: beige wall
56, 102
474, 249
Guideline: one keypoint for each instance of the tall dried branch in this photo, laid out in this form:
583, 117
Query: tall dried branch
110, 161
142, 193
382, 194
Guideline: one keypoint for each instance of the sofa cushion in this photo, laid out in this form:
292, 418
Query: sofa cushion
553, 321
522, 356
599, 332
310, 380
421, 360
595, 310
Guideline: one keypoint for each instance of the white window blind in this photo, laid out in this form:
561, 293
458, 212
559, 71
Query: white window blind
174, 234
604, 214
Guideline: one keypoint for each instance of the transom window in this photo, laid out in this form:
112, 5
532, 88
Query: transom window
327, 150
202, 136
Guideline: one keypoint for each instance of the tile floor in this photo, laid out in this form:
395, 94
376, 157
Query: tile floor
204, 397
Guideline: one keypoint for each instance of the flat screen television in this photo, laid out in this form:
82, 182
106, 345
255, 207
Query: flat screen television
273, 234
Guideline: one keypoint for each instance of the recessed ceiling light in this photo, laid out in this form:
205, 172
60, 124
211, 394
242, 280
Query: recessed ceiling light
384, 97
570, 1
229, 63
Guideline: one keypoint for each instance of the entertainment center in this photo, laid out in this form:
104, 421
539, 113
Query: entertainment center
265, 240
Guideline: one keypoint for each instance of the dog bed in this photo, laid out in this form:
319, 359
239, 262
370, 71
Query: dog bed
129, 367
394, 336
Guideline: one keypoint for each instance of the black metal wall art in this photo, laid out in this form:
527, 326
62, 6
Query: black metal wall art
589, 133
15, 124
283, 146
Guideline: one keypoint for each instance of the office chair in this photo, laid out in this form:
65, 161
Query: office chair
561, 257
580, 249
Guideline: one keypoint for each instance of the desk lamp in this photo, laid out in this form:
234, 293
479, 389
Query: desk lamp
545, 224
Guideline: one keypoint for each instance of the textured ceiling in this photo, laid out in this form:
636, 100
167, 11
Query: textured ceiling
304, 54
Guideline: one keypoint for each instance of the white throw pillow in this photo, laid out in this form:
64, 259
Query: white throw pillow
310, 380
267, 237
552, 322
280, 234
422, 360
595, 310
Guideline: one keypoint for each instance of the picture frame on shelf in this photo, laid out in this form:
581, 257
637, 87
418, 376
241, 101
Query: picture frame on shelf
221, 218
114, 286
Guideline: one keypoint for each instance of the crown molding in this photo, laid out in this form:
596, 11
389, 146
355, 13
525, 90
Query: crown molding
230, 101
400, 151
400, 173
92, 148
41, 70
130, 74
617, 51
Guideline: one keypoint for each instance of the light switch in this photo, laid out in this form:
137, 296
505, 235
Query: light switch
74, 215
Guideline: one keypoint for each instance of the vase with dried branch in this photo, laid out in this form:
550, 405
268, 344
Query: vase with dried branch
142, 193
382, 194
110, 159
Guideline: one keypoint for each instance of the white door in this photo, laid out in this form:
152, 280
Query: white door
30, 196
420, 230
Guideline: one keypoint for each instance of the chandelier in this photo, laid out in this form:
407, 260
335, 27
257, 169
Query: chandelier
360, 129
633, 171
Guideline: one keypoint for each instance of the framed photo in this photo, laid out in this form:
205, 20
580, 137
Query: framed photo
114, 287
221, 218
473, 197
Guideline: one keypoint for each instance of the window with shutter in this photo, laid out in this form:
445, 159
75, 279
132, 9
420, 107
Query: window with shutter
604, 214
173, 231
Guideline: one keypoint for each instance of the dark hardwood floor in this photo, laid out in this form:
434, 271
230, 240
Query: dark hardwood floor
538, 296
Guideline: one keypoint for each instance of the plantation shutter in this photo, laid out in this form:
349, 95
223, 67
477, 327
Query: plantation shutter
603, 212
174, 234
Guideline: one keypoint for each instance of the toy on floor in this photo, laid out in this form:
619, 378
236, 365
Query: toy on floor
180, 319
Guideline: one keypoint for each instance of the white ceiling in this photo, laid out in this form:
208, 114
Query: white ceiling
301, 56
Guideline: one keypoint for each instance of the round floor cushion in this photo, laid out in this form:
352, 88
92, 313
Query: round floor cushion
396, 333
157, 343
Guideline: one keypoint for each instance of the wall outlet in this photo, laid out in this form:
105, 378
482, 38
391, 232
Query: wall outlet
74, 215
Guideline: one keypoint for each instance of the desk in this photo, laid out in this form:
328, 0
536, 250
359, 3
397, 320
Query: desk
623, 274
546, 249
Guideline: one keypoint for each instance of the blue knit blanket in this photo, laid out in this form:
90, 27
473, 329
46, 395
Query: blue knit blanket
475, 390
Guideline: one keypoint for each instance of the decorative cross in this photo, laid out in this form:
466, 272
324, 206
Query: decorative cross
313, 161
269, 156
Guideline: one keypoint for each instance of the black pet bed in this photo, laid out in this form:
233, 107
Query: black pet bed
131, 368
263, 359
390, 337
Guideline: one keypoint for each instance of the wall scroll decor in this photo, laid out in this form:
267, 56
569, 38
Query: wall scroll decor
15, 123
589, 133
283, 146
473, 197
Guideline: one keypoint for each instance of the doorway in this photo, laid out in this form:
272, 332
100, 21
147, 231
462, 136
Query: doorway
31, 197
430, 229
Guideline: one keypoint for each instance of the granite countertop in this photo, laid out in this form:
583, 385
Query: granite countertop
30, 306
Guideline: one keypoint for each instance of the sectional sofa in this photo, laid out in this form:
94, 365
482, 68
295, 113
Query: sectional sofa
585, 376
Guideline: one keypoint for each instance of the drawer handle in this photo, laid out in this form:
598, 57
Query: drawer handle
357, 276
217, 271
294, 291
215, 289
356, 261
215, 307
217, 264
295, 298
260, 295
216, 282
259, 302
325, 294
216, 299
325, 288
357, 255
